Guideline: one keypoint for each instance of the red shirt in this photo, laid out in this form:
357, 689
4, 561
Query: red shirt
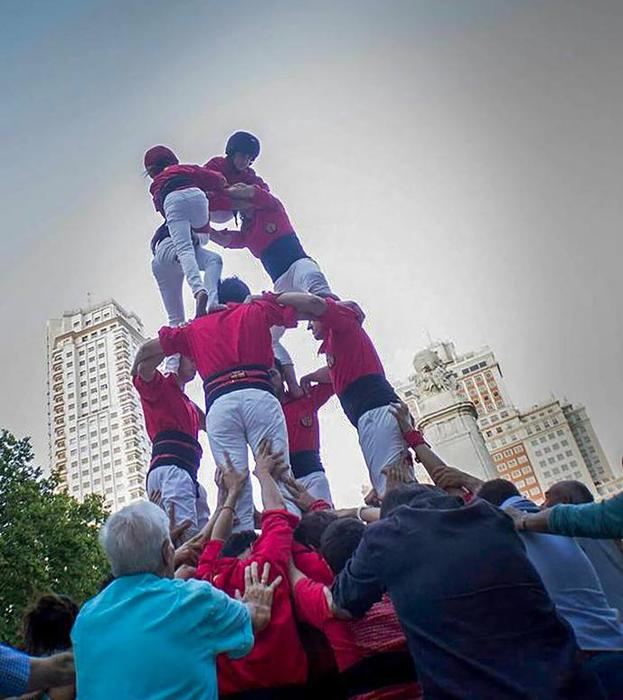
311, 563
184, 177
166, 406
302, 417
228, 339
266, 223
278, 657
224, 165
377, 632
350, 352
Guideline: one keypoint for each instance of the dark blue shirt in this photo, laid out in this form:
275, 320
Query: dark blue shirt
478, 621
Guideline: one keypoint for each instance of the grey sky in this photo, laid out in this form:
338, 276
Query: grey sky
454, 166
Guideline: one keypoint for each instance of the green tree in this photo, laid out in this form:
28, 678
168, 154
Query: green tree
48, 540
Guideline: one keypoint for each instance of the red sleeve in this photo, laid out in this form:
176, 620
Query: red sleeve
311, 563
220, 202
276, 314
217, 163
209, 180
205, 567
320, 394
173, 340
149, 391
275, 542
413, 438
339, 317
310, 603
257, 180
319, 505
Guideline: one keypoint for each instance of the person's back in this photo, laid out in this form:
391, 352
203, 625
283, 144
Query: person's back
140, 638
477, 618
606, 556
573, 585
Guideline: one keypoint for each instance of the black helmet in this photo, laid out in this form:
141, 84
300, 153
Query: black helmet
243, 142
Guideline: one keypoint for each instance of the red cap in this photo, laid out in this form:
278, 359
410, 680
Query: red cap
159, 154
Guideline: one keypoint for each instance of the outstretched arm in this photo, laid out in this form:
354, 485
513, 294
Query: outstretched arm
308, 306
147, 359
265, 463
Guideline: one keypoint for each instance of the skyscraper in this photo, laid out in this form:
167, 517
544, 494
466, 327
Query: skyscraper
588, 443
97, 440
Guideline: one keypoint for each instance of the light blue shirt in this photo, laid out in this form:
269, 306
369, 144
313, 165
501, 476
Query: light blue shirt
603, 519
572, 584
157, 638
14, 671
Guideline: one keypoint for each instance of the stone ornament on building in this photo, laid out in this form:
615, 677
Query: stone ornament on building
431, 377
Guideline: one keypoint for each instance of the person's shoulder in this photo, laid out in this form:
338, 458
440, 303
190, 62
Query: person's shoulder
216, 162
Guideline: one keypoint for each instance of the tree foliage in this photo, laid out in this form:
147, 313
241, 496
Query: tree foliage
48, 540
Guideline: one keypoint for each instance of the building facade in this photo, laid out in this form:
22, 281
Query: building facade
534, 448
97, 438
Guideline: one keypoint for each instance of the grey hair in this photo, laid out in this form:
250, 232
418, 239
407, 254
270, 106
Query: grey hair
133, 537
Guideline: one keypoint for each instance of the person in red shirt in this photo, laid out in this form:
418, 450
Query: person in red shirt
301, 415
232, 349
173, 422
241, 151
179, 194
277, 660
269, 235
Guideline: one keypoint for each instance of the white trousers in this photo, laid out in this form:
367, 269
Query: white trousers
177, 488
169, 276
381, 442
241, 418
185, 210
318, 486
303, 275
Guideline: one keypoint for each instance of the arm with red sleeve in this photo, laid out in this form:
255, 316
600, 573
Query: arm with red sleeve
320, 394
208, 559
209, 180
174, 340
275, 542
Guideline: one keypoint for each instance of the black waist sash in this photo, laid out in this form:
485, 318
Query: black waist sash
172, 447
379, 671
234, 379
162, 232
282, 253
305, 462
364, 394
177, 182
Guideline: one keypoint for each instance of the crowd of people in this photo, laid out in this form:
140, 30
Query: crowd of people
461, 589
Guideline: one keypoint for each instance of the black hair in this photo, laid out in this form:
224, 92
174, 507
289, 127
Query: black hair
238, 542
577, 492
403, 495
339, 542
312, 525
497, 491
47, 624
158, 166
232, 289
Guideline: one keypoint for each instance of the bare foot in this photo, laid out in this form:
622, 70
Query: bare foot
201, 304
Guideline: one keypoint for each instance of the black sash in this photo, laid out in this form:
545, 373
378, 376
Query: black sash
172, 447
282, 253
174, 183
234, 379
364, 394
305, 462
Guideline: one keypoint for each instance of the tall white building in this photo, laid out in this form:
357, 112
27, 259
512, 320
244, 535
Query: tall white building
98, 442
588, 443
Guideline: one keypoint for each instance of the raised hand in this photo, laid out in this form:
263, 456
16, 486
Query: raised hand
268, 462
232, 479
401, 413
299, 494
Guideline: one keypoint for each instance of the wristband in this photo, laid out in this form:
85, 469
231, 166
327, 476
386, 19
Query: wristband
359, 512
233, 510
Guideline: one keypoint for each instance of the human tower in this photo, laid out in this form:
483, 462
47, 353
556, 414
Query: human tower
235, 341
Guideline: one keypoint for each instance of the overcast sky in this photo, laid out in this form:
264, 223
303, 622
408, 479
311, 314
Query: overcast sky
455, 167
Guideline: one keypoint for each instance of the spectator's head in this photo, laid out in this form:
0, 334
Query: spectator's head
574, 492
277, 379
339, 542
136, 541
497, 491
187, 369
242, 149
311, 527
239, 545
317, 329
158, 158
232, 290
407, 495
47, 624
